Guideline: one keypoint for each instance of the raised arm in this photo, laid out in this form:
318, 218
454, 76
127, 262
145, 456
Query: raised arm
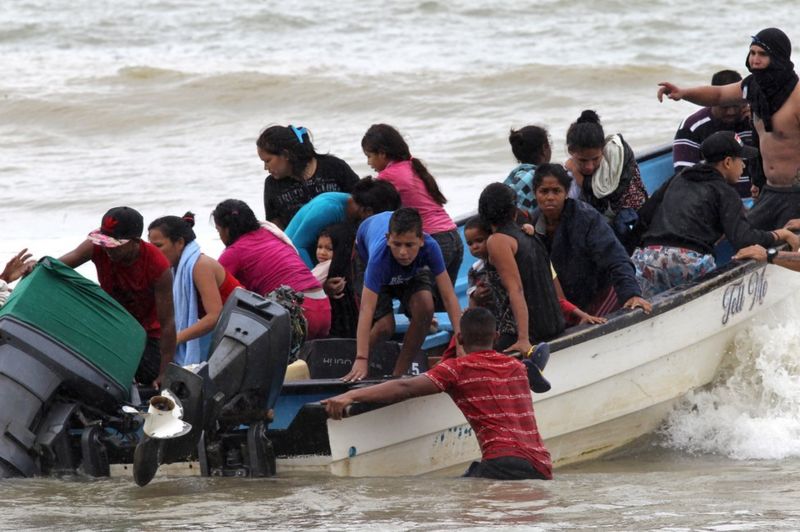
706, 95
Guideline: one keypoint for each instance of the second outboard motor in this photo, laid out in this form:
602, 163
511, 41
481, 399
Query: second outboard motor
228, 401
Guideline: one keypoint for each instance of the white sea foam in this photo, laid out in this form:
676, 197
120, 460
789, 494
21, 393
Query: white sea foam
752, 411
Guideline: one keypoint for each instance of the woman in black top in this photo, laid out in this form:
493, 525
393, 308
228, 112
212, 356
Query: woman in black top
532, 312
297, 173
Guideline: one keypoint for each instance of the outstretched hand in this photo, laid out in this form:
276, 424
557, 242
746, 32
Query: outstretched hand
21, 264
665, 88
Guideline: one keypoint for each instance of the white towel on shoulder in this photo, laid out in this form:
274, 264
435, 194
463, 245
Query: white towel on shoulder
606, 178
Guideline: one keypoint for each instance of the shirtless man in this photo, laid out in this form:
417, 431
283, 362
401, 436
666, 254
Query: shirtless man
773, 92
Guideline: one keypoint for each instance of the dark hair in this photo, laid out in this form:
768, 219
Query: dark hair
405, 220
383, 138
554, 170
476, 223
235, 216
342, 236
725, 77
375, 194
586, 132
528, 144
291, 141
477, 327
497, 204
175, 228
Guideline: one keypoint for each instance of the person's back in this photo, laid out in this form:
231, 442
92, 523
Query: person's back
413, 194
262, 262
326, 209
531, 147
493, 392
545, 319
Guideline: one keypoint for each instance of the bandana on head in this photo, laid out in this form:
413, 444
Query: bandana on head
768, 89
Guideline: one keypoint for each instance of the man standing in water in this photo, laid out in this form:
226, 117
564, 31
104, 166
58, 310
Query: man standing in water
492, 391
773, 92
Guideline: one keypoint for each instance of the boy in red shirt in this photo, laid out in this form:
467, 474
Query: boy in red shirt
491, 390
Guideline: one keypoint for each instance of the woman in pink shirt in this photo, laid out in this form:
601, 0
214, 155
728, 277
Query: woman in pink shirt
262, 262
388, 154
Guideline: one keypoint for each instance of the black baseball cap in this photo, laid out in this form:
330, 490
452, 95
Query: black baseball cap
119, 226
725, 144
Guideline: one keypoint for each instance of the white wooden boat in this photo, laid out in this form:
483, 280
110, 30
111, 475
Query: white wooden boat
611, 384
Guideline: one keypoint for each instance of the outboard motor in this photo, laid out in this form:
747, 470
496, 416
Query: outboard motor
68, 354
228, 402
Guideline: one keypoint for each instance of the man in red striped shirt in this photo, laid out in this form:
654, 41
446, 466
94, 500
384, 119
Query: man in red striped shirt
492, 391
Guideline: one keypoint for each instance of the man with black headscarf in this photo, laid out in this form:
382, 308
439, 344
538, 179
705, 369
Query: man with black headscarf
773, 92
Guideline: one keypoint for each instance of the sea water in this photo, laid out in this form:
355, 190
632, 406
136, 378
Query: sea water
157, 105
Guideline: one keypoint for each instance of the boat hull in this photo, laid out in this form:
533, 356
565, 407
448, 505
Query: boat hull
608, 389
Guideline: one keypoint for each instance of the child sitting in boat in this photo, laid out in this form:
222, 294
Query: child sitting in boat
480, 288
400, 262
324, 255
491, 390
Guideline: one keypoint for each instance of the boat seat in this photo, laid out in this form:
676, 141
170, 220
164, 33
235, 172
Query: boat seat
332, 358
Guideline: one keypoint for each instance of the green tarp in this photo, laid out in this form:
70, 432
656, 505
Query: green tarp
56, 299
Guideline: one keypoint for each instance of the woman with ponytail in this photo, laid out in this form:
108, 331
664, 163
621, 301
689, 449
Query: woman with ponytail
297, 173
264, 259
388, 154
200, 286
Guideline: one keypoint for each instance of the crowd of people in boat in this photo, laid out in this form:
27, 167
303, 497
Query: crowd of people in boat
554, 245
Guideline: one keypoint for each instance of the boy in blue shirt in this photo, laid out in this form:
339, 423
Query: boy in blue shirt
401, 262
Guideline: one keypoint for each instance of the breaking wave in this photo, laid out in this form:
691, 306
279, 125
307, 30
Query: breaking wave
752, 411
